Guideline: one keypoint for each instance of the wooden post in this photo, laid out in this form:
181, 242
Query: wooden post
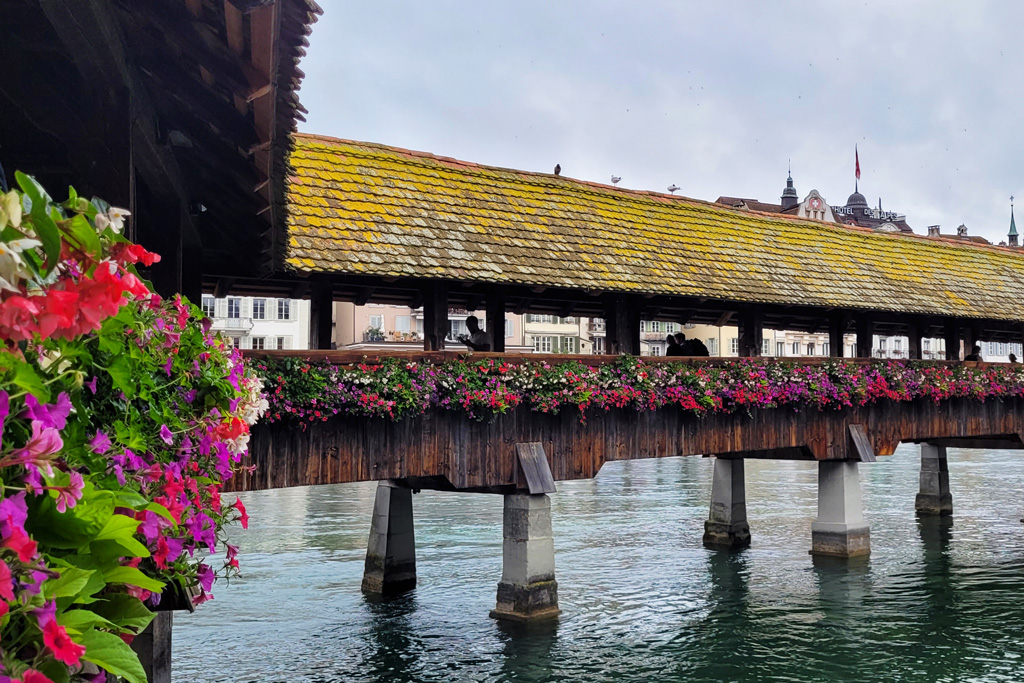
952, 337
435, 316
836, 328
751, 333
321, 315
914, 341
496, 320
153, 646
865, 336
622, 320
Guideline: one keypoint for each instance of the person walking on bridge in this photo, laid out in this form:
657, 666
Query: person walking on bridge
975, 353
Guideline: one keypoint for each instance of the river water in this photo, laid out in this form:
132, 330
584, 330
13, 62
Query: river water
642, 600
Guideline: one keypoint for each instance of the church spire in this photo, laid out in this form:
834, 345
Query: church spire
1012, 235
789, 196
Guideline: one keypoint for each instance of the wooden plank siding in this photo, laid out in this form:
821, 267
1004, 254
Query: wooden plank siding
460, 453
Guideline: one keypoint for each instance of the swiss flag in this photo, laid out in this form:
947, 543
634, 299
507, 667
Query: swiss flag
856, 156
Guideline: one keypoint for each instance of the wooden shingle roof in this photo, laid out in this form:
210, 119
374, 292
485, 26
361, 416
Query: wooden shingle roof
358, 208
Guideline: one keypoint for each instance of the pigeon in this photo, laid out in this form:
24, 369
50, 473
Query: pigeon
672, 188
558, 169
616, 179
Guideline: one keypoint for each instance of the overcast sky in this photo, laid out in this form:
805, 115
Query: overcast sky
715, 97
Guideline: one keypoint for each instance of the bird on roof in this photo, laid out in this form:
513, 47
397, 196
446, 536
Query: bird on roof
558, 169
672, 188
616, 179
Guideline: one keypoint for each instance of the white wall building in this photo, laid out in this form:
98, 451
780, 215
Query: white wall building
260, 322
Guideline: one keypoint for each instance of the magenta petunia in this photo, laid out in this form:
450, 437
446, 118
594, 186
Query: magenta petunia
166, 435
100, 443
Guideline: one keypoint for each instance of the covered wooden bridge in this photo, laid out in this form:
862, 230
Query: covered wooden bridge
369, 223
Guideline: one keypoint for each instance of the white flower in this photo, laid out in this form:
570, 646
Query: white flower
114, 218
12, 268
10, 209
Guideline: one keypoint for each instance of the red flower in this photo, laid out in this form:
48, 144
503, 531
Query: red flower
32, 676
244, 519
20, 543
60, 643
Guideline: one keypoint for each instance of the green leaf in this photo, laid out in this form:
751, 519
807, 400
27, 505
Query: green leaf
82, 620
118, 547
69, 584
163, 512
109, 652
132, 577
118, 526
55, 671
125, 611
130, 499
25, 377
46, 228
74, 528
85, 235
121, 373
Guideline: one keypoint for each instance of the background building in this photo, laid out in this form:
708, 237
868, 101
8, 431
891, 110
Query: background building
260, 323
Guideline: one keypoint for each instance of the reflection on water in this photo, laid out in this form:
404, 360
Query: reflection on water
938, 599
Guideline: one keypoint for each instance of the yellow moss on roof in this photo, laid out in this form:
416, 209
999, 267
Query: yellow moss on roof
369, 209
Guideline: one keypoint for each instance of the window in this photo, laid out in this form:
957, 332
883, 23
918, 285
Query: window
734, 345
508, 328
376, 322
284, 309
712, 346
766, 347
567, 321
655, 350
280, 343
209, 304
542, 344
780, 349
926, 345
825, 349
534, 318
403, 323
796, 348
598, 345
236, 342
259, 309
234, 308
259, 343
456, 328
568, 345
810, 348
883, 343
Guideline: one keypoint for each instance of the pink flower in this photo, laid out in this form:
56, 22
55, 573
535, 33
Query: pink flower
100, 443
56, 638
44, 441
244, 516
32, 676
20, 543
6, 582
67, 496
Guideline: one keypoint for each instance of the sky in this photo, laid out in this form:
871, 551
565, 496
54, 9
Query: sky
715, 97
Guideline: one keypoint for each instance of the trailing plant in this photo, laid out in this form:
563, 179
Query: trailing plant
120, 418
394, 388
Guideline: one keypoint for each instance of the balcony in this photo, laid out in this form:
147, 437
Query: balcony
232, 324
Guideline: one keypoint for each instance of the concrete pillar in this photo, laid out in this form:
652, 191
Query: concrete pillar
934, 497
153, 646
840, 529
727, 520
527, 589
391, 553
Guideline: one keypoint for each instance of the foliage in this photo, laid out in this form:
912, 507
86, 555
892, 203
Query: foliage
120, 419
304, 392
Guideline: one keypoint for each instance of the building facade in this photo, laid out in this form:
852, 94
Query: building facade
260, 322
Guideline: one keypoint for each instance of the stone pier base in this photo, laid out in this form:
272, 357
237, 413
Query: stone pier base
934, 497
840, 529
527, 590
391, 552
727, 521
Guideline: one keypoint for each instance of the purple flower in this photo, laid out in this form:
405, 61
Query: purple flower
150, 526
5, 410
92, 384
166, 435
100, 443
45, 614
168, 365
54, 416
13, 514
205, 575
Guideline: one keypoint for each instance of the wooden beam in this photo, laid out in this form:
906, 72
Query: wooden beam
951, 335
223, 287
233, 20
914, 335
751, 333
364, 295
496, 320
622, 325
836, 329
435, 316
724, 319
865, 335
321, 315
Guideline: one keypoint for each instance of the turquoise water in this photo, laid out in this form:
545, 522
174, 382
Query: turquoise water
642, 600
